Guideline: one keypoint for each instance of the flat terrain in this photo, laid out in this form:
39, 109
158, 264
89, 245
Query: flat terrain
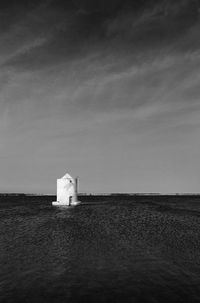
109, 249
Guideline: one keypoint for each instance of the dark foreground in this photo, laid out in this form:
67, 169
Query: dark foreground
116, 249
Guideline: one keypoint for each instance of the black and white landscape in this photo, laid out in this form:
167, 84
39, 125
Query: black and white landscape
107, 91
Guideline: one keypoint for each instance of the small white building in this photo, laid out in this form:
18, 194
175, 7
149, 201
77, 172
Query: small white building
67, 188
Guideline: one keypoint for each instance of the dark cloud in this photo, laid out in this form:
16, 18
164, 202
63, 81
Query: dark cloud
73, 29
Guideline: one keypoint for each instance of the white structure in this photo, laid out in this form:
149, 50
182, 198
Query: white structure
67, 191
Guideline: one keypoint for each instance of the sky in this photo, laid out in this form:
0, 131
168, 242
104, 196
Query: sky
107, 90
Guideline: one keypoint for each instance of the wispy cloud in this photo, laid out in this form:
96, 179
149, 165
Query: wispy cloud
94, 88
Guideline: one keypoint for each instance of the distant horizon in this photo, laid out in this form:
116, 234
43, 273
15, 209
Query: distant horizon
104, 194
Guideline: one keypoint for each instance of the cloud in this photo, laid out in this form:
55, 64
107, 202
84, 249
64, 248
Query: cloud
56, 33
95, 86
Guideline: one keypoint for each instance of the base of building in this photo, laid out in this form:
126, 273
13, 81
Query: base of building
57, 203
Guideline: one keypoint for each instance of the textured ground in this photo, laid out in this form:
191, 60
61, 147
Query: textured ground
118, 249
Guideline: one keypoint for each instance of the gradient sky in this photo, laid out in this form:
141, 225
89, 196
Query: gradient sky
108, 90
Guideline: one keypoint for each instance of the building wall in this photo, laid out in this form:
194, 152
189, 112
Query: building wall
65, 189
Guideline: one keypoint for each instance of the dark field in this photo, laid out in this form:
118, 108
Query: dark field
109, 249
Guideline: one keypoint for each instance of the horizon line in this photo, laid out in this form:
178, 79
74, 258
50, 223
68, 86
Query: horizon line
105, 194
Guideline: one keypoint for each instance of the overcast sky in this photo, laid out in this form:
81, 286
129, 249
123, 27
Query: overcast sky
108, 90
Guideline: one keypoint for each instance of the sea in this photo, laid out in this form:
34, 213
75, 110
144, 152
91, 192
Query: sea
119, 248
